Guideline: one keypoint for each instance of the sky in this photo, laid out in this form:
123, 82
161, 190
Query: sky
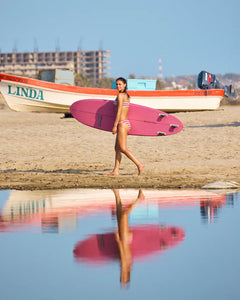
189, 35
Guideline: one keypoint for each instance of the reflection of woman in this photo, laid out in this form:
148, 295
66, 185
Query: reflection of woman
124, 235
122, 126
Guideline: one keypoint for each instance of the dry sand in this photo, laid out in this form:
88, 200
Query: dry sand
44, 151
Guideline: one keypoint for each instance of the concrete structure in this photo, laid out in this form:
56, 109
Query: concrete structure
94, 64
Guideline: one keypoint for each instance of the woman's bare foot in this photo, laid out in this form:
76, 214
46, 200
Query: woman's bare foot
140, 169
113, 173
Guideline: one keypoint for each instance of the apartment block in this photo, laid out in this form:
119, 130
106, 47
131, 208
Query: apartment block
94, 64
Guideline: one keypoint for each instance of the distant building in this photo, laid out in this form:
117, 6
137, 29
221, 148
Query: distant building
94, 64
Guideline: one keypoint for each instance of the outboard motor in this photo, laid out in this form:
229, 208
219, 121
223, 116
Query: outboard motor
208, 81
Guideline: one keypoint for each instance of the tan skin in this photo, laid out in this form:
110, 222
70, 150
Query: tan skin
122, 130
124, 235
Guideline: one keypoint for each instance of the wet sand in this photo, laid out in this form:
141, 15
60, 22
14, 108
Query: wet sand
45, 151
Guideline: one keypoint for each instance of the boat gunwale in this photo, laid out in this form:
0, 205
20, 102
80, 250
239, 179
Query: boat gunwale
110, 92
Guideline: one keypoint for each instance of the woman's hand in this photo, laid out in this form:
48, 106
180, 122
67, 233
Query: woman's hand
114, 130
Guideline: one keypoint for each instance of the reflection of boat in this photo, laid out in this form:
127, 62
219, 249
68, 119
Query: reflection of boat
146, 240
59, 209
25, 94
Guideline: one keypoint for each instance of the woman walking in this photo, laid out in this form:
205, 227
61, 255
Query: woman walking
121, 127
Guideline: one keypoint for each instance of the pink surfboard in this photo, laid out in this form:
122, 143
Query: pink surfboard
145, 121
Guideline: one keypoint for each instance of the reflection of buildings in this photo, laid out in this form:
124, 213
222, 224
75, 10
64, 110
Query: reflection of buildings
58, 210
210, 208
94, 64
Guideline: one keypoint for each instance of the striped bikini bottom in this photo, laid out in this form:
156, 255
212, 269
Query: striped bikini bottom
125, 122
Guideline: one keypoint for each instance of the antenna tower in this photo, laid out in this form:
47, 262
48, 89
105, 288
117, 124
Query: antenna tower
160, 73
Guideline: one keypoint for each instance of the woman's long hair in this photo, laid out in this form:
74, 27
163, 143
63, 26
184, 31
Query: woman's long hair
125, 82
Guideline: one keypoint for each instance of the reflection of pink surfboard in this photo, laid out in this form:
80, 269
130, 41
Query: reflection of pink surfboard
146, 240
144, 120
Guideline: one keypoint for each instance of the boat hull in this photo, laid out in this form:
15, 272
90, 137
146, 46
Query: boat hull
25, 94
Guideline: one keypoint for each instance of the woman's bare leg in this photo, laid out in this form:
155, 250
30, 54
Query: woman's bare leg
118, 157
122, 143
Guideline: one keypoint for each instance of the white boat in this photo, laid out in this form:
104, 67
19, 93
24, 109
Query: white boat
26, 94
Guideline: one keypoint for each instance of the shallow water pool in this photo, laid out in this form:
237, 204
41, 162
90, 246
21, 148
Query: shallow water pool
119, 244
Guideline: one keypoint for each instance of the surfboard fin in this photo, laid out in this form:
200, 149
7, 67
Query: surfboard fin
174, 125
161, 133
162, 115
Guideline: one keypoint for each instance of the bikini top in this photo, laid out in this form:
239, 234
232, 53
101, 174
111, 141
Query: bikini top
123, 104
